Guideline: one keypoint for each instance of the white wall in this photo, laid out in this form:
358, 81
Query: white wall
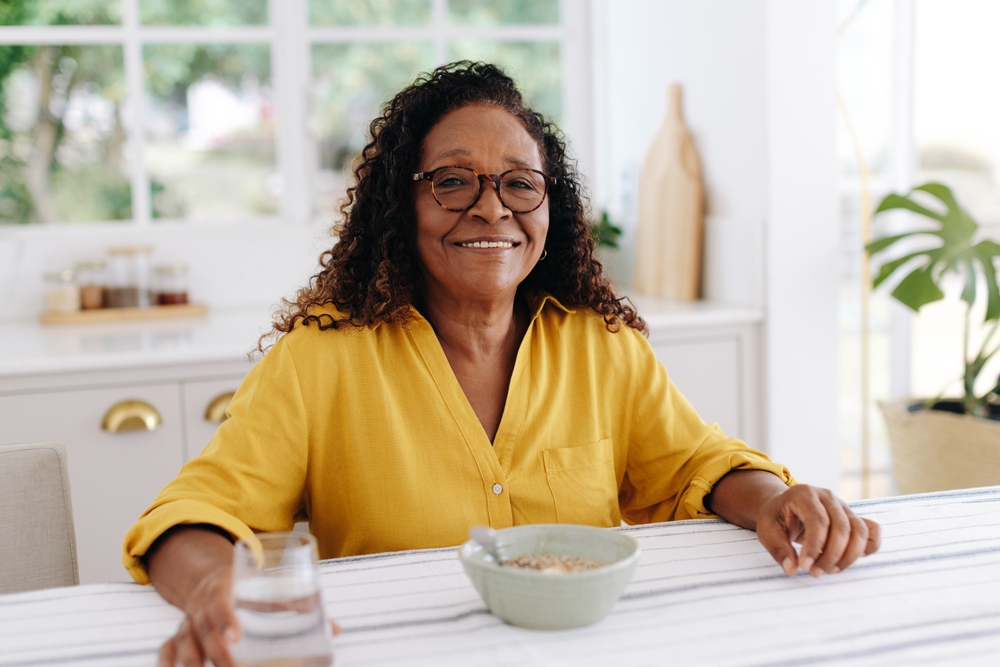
801, 253
716, 50
759, 87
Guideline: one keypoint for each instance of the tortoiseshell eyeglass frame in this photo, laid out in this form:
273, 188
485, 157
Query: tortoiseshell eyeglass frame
494, 178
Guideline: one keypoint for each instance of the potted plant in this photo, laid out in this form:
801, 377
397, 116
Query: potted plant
945, 444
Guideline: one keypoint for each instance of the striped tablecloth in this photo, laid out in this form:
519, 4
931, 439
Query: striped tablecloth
705, 593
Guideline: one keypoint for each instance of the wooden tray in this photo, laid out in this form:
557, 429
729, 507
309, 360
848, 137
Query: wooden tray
124, 314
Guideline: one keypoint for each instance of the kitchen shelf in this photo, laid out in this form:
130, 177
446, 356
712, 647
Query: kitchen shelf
124, 314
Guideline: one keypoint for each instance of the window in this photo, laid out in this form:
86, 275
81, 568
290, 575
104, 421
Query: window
146, 111
911, 77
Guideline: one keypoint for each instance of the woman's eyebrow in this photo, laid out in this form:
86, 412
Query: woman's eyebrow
452, 153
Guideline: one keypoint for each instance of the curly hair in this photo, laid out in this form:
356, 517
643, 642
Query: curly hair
372, 275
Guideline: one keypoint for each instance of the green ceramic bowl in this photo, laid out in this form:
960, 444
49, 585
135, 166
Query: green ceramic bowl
533, 599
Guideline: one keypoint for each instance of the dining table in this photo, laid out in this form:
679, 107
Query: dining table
704, 593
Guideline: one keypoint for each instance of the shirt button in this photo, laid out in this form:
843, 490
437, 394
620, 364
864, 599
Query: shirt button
497, 489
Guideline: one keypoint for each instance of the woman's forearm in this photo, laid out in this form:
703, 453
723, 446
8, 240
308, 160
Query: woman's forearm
185, 556
740, 494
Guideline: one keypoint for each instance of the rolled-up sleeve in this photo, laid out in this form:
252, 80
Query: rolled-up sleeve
251, 476
674, 457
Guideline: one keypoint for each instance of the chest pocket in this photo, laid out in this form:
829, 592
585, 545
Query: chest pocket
584, 484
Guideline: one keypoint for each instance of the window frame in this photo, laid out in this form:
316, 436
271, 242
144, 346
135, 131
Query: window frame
290, 39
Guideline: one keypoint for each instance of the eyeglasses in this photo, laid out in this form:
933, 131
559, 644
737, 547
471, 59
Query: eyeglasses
459, 188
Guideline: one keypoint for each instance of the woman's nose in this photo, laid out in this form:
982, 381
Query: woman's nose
488, 207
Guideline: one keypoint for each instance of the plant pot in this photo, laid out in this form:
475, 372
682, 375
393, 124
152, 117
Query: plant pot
937, 450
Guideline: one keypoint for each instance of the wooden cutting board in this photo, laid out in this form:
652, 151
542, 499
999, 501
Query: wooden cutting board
671, 212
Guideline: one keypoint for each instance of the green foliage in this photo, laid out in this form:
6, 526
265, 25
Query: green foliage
604, 233
203, 12
503, 12
369, 12
60, 12
171, 68
953, 251
535, 66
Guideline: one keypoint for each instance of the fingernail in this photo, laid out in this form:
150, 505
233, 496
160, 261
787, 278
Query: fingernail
232, 634
816, 572
834, 570
806, 563
788, 566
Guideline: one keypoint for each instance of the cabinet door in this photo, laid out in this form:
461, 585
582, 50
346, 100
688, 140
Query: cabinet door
707, 371
113, 476
198, 396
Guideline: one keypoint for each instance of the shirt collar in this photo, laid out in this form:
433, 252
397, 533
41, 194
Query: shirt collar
536, 302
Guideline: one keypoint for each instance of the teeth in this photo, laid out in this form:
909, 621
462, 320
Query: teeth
488, 244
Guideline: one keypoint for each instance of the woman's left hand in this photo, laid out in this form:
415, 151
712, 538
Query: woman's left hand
831, 535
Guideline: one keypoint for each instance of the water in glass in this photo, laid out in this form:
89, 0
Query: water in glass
278, 604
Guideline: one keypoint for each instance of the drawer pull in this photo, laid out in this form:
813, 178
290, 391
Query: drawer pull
216, 410
131, 416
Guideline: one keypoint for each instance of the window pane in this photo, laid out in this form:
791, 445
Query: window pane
210, 135
503, 12
203, 12
60, 12
369, 12
351, 82
534, 65
62, 145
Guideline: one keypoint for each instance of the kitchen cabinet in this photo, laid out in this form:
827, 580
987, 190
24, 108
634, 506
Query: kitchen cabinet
115, 476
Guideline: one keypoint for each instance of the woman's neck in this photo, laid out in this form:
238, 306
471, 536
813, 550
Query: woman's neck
477, 331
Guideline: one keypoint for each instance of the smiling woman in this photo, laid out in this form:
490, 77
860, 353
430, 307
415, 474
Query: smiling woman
460, 360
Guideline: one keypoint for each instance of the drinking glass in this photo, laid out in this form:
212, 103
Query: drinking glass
276, 596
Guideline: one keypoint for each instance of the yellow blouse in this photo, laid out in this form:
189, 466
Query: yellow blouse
368, 435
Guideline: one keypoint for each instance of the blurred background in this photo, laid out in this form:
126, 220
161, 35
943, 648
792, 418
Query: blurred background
222, 131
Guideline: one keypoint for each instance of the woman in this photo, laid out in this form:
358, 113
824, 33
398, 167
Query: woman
460, 360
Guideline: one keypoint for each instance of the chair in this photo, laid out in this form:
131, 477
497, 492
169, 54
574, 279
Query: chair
37, 542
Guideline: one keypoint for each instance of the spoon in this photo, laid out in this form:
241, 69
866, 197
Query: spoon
486, 537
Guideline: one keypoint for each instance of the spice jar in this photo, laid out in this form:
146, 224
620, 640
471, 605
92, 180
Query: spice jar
128, 283
62, 295
92, 278
170, 284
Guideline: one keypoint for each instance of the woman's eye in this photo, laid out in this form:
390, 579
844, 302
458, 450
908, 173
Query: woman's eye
520, 184
450, 182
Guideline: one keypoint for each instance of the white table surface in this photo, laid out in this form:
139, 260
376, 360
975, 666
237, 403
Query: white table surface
705, 593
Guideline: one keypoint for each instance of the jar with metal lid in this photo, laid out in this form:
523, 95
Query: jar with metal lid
170, 284
92, 277
128, 282
62, 294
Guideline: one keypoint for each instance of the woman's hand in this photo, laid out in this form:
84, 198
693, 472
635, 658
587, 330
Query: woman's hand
831, 535
209, 625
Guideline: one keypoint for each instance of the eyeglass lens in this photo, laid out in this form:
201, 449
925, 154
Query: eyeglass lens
521, 190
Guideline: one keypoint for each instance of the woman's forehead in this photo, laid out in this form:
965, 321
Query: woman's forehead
481, 132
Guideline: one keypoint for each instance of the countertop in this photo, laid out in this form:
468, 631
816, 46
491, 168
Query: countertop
28, 347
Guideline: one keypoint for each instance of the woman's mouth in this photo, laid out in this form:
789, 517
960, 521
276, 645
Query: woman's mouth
487, 244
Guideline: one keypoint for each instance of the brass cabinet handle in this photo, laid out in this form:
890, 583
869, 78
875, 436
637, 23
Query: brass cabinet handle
216, 410
132, 415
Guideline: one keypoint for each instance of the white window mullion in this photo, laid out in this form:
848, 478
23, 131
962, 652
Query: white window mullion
61, 34
576, 56
291, 68
136, 96
439, 25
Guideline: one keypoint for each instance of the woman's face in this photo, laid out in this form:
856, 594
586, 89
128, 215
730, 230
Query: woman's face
451, 244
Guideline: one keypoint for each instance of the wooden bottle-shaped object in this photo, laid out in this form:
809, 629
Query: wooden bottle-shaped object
671, 212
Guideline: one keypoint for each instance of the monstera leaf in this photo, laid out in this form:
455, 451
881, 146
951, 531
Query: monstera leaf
956, 252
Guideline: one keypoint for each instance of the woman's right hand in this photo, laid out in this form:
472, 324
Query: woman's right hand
209, 625
191, 566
